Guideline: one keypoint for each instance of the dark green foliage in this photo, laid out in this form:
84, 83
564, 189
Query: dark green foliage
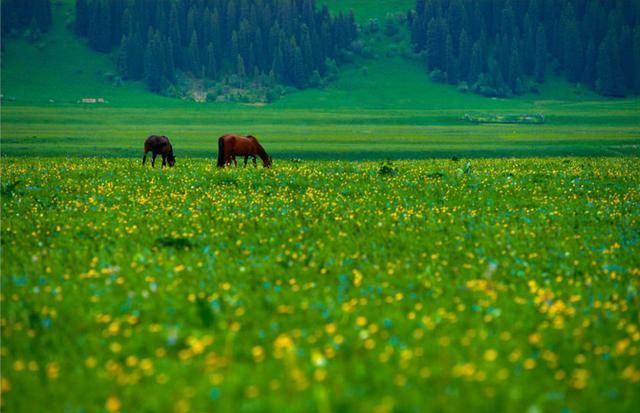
193, 55
610, 78
515, 71
292, 38
387, 169
155, 63
476, 64
436, 38
464, 60
541, 54
573, 59
591, 41
21, 14
212, 65
99, 26
636, 59
82, 17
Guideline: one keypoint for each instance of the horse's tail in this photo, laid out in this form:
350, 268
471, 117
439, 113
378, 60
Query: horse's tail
221, 152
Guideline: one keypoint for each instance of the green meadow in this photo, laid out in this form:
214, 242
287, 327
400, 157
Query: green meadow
323, 286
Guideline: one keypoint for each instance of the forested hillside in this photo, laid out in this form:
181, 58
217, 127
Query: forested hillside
254, 50
496, 46
290, 42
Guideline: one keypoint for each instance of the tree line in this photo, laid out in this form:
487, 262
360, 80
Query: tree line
20, 14
291, 41
496, 46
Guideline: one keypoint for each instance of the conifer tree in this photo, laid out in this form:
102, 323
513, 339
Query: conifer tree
541, 54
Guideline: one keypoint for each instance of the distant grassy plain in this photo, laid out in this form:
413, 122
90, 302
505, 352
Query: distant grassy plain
383, 108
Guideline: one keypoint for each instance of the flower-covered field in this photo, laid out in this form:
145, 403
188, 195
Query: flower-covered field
488, 285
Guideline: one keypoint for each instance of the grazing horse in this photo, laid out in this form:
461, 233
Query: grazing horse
159, 145
230, 146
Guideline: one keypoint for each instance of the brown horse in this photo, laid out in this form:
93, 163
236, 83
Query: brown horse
230, 146
159, 145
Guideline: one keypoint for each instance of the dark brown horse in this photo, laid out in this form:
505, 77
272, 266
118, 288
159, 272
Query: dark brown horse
159, 145
230, 146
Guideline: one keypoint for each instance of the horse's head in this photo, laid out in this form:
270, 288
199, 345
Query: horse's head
171, 160
268, 162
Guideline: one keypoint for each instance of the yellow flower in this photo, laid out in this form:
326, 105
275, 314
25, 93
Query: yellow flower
90, 362
490, 355
529, 364
330, 328
320, 374
258, 354
53, 370
357, 278
113, 404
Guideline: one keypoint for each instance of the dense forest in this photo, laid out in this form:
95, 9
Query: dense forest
497, 47
288, 41
32, 14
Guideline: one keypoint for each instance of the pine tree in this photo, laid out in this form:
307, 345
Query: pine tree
541, 54
193, 55
82, 17
610, 77
464, 55
635, 51
154, 63
528, 50
573, 52
99, 27
135, 53
123, 68
515, 71
450, 62
297, 72
589, 74
170, 65
212, 69
436, 38
626, 56
41, 11
476, 64
240, 67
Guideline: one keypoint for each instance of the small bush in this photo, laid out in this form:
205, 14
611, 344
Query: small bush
388, 169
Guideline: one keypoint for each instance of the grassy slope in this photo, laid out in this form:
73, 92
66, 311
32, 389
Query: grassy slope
389, 110
367, 9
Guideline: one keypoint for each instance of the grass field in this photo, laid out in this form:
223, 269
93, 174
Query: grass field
497, 285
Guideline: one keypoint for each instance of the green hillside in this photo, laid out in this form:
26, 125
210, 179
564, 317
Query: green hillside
367, 9
379, 108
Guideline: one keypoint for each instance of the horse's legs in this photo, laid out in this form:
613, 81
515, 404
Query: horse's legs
153, 160
235, 162
164, 161
246, 158
144, 158
255, 164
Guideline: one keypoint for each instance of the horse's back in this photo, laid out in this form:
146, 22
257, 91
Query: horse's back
157, 140
239, 145
157, 144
